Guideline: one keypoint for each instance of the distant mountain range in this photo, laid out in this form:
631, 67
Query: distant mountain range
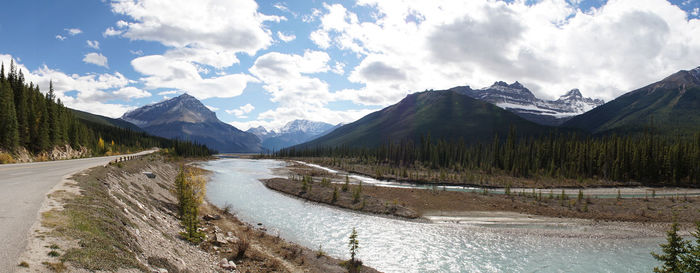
519, 100
293, 133
671, 105
446, 114
184, 117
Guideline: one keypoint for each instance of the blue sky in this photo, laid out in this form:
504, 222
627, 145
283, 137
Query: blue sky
269, 62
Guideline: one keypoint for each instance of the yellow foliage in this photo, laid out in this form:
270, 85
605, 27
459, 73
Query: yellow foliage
195, 179
101, 144
6, 158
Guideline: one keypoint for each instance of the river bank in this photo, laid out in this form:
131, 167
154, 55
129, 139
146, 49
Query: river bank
479, 178
335, 195
115, 218
548, 203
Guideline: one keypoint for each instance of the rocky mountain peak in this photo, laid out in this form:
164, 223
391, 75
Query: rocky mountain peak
499, 83
184, 108
185, 117
258, 131
696, 73
305, 126
683, 77
517, 85
572, 94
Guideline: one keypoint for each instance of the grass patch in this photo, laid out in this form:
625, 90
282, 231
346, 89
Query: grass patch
54, 253
56, 267
96, 221
23, 264
159, 262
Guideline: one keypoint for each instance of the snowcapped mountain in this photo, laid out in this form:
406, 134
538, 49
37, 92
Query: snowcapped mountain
185, 117
518, 99
292, 133
258, 131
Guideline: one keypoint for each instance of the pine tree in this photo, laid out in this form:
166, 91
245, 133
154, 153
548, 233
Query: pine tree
8, 126
691, 259
672, 252
354, 245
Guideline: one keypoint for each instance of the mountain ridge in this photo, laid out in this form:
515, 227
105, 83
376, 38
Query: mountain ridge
671, 105
185, 117
445, 114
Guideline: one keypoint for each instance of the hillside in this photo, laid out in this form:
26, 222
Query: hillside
445, 115
85, 116
672, 105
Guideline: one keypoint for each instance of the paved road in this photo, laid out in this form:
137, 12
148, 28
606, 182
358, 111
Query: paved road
23, 188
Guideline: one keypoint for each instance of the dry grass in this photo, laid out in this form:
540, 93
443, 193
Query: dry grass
6, 158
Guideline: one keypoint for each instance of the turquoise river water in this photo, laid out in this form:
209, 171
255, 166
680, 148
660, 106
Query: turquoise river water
394, 245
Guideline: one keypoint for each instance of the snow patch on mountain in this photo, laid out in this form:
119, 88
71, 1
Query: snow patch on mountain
518, 99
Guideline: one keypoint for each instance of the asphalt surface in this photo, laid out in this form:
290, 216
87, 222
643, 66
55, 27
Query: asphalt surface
23, 188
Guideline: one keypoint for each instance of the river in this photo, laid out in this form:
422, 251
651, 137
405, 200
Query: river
394, 245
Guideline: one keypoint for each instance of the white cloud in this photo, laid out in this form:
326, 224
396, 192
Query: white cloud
136, 52
110, 31
96, 59
289, 80
92, 89
130, 92
171, 92
163, 72
277, 118
283, 7
285, 77
320, 38
338, 68
93, 44
550, 46
208, 32
60, 37
73, 31
286, 38
241, 111
212, 108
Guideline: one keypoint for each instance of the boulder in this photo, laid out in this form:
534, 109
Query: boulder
211, 217
226, 264
219, 239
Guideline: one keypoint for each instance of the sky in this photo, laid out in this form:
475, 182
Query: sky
266, 63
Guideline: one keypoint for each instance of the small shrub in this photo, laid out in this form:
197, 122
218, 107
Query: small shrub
347, 184
335, 195
6, 158
23, 264
227, 208
242, 247
54, 253
320, 253
56, 267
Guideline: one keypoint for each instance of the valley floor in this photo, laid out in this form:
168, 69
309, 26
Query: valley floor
116, 219
436, 203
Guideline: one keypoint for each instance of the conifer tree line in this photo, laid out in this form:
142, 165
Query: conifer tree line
646, 158
38, 122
